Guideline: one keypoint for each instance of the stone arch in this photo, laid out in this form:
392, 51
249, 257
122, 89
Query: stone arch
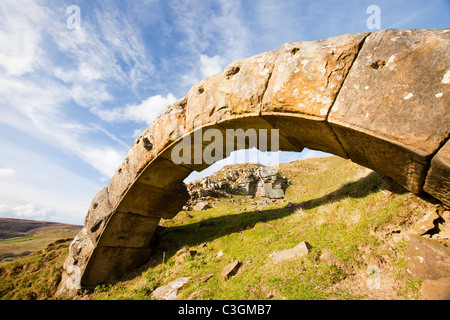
380, 99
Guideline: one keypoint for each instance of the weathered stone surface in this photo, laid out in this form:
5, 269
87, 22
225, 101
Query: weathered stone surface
236, 91
80, 251
381, 103
427, 259
438, 179
170, 125
299, 251
306, 79
98, 215
436, 289
229, 270
308, 75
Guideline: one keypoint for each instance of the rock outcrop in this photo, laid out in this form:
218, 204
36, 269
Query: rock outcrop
380, 99
255, 180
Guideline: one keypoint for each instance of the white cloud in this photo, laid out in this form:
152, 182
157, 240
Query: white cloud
27, 211
8, 173
146, 111
20, 35
210, 66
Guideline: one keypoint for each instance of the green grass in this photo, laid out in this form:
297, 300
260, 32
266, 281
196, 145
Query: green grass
35, 276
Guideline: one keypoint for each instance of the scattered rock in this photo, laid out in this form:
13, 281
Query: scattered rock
297, 252
206, 278
230, 270
220, 254
426, 223
170, 290
436, 289
427, 259
201, 206
263, 202
195, 295
182, 253
327, 257
289, 205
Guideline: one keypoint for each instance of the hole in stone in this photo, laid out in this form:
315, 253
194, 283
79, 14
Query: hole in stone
200, 90
147, 144
294, 50
94, 206
119, 171
378, 64
231, 71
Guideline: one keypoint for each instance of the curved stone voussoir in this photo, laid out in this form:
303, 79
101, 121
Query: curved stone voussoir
108, 264
236, 91
393, 112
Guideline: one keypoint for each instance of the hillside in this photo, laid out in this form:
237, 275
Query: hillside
356, 221
19, 237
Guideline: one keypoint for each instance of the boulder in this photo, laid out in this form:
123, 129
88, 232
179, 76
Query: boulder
427, 259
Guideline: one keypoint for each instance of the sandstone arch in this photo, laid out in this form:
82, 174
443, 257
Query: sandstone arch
380, 99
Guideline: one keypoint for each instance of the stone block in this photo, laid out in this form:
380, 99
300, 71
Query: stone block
395, 100
236, 91
109, 264
308, 75
128, 230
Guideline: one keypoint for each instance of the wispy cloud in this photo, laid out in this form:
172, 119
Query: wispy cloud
20, 36
146, 111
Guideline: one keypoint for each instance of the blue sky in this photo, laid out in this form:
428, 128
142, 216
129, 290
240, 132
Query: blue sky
72, 101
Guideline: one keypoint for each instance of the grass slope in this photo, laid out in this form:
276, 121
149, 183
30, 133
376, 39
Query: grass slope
360, 217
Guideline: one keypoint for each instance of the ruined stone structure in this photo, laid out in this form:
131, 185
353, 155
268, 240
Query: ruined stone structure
380, 99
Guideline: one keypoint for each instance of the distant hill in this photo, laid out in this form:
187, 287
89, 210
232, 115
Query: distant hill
19, 237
